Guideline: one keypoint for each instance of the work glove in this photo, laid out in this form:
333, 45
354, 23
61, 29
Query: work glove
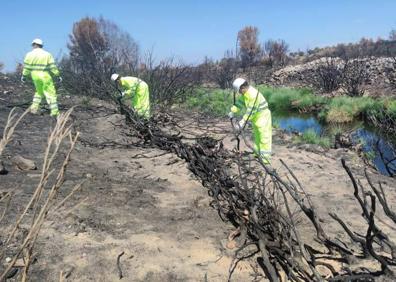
231, 115
60, 79
241, 124
23, 79
238, 128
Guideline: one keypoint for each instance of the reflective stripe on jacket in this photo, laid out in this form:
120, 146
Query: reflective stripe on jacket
138, 91
253, 101
39, 60
130, 85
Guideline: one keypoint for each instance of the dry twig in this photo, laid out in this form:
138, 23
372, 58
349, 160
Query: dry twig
44, 197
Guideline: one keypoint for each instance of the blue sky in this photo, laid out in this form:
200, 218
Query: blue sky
192, 29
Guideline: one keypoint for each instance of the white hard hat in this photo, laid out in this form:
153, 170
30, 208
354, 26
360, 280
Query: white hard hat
237, 83
115, 76
38, 41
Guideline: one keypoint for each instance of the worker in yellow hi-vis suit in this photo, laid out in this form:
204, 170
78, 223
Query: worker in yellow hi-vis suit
137, 90
40, 66
258, 113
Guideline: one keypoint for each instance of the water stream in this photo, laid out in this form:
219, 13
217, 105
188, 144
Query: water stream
380, 147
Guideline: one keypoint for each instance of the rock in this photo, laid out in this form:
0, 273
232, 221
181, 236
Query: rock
358, 147
3, 170
231, 245
13, 271
19, 263
24, 164
313, 148
342, 140
67, 271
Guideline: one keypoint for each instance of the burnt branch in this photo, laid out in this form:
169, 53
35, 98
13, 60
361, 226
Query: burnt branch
258, 201
328, 75
381, 198
355, 75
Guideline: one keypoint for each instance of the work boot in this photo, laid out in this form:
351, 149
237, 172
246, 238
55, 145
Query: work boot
55, 117
53, 121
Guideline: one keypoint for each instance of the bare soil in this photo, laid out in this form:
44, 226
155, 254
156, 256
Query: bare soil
146, 203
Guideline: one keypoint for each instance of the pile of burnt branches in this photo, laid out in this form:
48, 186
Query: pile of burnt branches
267, 208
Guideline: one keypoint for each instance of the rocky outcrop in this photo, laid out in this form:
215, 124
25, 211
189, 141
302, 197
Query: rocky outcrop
381, 72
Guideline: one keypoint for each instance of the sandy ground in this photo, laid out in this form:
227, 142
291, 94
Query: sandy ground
147, 204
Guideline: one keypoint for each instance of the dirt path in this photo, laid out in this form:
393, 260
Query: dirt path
145, 202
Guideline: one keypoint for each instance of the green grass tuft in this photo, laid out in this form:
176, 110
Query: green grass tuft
390, 107
289, 99
212, 102
311, 137
345, 109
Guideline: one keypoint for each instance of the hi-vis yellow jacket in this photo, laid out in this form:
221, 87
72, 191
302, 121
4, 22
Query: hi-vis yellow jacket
258, 113
39, 60
138, 90
253, 101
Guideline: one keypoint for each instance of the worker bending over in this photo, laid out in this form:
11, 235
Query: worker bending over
137, 90
40, 66
258, 114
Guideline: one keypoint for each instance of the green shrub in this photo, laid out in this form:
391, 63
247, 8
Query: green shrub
309, 101
344, 109
311, 137
391, 108
291, 99
338, 115
212, 102
275, 123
